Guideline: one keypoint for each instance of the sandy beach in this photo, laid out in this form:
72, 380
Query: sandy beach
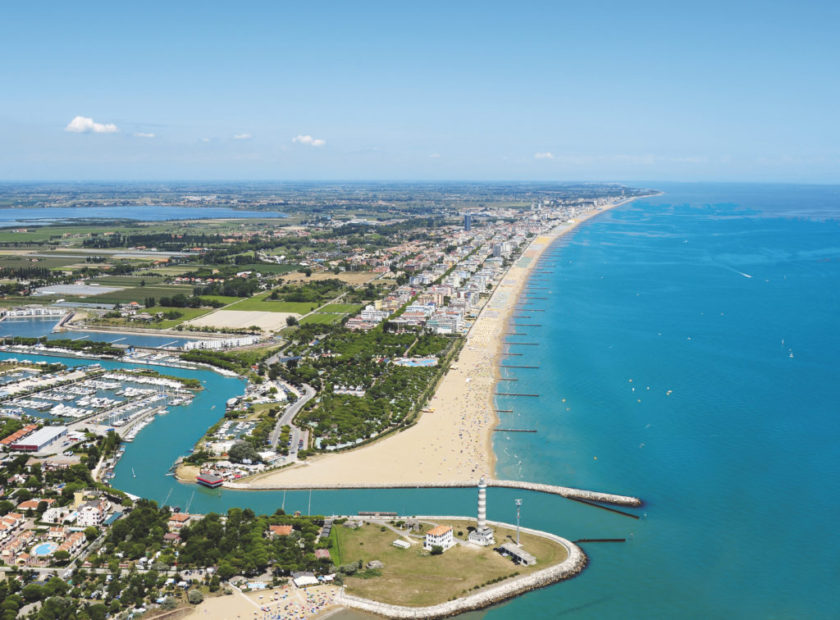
452, 441
286, 602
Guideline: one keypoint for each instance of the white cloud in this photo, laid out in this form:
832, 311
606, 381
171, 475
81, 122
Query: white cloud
309, 140
141, 134
242, 136
83, 124
434, 156
545, 155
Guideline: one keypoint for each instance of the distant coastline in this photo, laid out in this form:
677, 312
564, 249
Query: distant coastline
519, 276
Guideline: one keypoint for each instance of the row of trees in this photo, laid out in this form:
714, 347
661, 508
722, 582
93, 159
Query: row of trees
239, 544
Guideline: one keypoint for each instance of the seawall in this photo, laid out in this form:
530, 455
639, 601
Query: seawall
571, 566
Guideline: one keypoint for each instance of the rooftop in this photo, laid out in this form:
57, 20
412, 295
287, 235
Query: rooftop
440, 530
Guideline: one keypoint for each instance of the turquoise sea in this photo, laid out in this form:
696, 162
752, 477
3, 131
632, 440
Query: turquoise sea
688, 354
695, 338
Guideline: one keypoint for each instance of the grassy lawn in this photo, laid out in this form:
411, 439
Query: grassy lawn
220, 299
322, 319
414, 577
261, 303
41, 234
11, 301
345, 308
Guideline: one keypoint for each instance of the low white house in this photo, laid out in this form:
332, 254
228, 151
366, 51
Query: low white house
440, 536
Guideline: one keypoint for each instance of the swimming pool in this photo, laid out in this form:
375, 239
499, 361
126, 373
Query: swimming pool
417, 362
45, 548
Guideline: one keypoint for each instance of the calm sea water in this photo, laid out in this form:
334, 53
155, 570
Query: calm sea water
689, 354
51, 215
725, 296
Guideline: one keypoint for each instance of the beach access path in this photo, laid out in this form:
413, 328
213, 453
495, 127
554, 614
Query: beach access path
452, 440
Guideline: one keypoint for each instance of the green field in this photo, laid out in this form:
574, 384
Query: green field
416, 578
174, 270
261, 303
220, 299
186, 315
342, 308
139, 293
268, 268
322, 319
20, 260
151, 280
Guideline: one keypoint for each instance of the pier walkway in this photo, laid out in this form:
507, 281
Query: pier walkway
567, 492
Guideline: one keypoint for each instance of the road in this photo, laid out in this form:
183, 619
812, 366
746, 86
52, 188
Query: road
289, 415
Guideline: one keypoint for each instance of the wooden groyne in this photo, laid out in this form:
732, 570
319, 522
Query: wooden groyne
594, 505
507, 379
600, 540
504, 410
524, 344
551, 489
526, 325
516, 366
514, 430
510, 354
514, 394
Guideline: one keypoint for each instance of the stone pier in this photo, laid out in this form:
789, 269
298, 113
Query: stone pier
595, 496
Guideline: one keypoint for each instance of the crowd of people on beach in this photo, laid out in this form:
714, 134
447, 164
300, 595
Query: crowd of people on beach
291, 603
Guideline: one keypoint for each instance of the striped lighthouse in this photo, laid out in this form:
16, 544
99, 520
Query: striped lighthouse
482, 504
482, 535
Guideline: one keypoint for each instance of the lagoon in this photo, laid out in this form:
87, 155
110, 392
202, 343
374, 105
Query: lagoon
42, 326
31, 216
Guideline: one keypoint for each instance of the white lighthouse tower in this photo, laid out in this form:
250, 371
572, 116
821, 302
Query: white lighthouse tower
482, 535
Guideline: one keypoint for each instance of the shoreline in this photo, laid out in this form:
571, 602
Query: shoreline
521, 279
462, 404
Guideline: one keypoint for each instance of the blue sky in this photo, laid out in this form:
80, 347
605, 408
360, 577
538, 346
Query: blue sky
393, 90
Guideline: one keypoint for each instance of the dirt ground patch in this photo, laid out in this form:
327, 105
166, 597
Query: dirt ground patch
243, 319
350, 277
